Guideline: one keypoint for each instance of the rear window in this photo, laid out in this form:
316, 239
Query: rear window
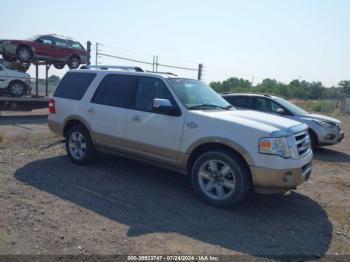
74, 85
238, 101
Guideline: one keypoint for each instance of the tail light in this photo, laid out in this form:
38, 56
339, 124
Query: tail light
52, 108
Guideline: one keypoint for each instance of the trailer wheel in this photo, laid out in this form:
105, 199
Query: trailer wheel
17, 88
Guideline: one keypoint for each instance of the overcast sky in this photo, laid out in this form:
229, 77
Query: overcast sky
285, 40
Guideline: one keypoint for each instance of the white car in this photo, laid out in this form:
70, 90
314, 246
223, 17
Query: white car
14, 82
180, 124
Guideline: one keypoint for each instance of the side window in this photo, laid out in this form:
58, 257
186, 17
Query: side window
274, 107
45, 41
148, 89
239, 101
74, 85
262, 104
1, 68
116, 90
60, 43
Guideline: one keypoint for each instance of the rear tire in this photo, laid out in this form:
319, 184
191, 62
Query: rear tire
220, 178
24, 54
17, 88
79, 146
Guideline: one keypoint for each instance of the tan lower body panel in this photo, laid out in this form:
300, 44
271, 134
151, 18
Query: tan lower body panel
268, 180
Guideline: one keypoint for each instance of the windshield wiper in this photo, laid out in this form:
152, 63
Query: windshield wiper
209, 105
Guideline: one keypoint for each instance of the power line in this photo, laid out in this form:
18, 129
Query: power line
127, 59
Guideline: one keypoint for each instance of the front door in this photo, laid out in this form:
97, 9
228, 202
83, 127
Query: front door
153, 135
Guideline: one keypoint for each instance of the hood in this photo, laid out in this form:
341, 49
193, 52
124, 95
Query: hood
322, 118
271, 124
14, 73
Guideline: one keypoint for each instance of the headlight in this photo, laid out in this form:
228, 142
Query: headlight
324, 124
281, 146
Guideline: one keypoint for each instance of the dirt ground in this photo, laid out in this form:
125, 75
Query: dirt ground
118, 206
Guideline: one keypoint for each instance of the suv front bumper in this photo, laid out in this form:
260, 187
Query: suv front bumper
272, 181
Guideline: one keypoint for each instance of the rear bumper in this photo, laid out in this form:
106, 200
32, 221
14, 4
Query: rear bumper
55, 127
271, 181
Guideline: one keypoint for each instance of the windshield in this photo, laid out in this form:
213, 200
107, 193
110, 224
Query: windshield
290, 106
33, 38
195, 94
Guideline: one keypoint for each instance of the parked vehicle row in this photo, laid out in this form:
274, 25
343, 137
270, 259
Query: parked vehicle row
57, 50
323, 130
180, 124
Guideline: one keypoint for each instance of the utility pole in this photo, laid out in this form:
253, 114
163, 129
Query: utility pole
156, 63
96, 52
153, 63
200, 71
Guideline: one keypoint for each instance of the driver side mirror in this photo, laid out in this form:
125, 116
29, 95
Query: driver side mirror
164, 106
280, 111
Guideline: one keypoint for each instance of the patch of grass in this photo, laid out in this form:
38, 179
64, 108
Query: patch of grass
322, 106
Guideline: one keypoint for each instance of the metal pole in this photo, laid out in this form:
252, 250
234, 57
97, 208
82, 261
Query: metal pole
200, 71
154, 59
156, 64
36, 78
96, 53
88, 49
46, 79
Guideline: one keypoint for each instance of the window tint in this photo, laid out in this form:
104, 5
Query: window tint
116, 90
262, 104
60, 43
239, 101
76, 45
1, 68
148, 89
46, 41
74, 85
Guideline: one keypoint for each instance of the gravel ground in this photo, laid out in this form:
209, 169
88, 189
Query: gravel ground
118, 206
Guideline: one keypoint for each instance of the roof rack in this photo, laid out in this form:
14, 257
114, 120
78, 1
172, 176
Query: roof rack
107, 67
165, 73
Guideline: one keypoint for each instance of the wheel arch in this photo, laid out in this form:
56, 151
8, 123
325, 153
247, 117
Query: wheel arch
76, 121
312, 132
31, 49
199, 148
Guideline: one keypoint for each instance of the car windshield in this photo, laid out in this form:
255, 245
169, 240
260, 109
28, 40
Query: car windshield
195, 94
290, 106
33, 38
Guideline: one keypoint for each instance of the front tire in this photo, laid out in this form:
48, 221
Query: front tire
17, 88
79, 146
74, 62
313, 138
59, 65
220, 178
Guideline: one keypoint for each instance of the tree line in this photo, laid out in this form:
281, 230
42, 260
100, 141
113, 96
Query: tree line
295, 89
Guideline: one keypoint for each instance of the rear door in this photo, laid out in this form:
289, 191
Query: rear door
62, 50
153, 135
108, 108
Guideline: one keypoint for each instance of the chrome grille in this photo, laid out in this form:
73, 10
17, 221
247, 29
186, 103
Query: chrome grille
302, 141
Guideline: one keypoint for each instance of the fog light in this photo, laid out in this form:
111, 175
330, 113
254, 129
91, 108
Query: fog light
329, 137
287, 177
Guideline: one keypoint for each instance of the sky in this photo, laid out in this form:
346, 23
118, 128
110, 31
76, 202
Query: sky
255, 39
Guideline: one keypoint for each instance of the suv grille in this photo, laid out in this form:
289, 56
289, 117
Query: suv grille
303, 143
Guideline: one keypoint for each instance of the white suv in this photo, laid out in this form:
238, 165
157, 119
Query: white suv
180, 124
14, 82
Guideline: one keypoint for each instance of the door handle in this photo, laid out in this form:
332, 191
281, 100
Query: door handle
91, 110
136, 118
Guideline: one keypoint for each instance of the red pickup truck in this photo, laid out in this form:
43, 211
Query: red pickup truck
57, 50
